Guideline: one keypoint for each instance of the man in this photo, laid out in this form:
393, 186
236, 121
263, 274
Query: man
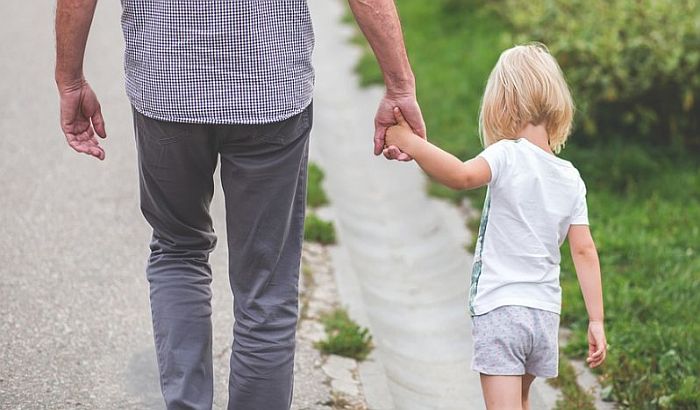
228, 79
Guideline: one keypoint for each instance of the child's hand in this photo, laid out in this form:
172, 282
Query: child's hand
401, 134
597, 346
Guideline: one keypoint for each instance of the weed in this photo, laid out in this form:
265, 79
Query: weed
318, 230
316, 196
344, 336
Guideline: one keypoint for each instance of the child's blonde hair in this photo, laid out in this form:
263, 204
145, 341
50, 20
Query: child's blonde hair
526, 86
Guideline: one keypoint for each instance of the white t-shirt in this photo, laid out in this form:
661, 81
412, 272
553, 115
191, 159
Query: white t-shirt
532, 200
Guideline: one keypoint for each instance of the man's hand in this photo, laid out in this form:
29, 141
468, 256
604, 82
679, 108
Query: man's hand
379, 22
384, 119
597, 346
81, 119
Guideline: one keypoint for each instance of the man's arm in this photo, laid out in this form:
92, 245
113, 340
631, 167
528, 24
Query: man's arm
379, 21
81, 116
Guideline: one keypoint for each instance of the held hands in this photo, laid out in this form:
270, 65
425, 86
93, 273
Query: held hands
385, 118
81, 119
400, 135
597, 346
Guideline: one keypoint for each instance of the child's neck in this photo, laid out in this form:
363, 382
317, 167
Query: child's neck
536, 134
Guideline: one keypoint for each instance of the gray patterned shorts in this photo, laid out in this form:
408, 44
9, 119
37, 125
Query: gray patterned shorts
514, 340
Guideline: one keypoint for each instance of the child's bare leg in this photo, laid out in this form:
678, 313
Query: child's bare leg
527, 380
502, 392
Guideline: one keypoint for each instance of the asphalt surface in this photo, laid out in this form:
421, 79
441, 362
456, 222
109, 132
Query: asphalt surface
75, 327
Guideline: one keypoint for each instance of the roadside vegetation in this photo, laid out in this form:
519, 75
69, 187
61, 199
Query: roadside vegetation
315, 228
636, 145
315, 195
318, 230
344, 337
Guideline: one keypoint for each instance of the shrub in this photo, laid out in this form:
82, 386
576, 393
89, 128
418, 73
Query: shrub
318, 230
634, 66
345, 337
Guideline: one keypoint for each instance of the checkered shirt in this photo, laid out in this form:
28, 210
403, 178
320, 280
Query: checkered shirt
218, 61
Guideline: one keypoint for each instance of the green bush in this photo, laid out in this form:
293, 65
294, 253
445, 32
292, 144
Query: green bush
318, 230
315, 196
344, 336
634, 66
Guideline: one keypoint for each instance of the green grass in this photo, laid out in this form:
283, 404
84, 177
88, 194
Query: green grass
315, 195
318, 230
644, 206
315, 228
344, 336
646, 228
573, 397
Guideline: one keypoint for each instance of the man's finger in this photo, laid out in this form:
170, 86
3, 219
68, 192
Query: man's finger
98, 122
98, 153
95, 151
421, 131
379, 132
398, 116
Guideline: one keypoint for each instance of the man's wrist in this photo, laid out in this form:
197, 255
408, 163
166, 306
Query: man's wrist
400, 86
68, 83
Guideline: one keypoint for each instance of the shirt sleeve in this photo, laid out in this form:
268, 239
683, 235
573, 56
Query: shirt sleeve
579, 216
497, 156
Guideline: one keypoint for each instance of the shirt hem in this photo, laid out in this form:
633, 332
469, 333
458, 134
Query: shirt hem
483, 308
245, 118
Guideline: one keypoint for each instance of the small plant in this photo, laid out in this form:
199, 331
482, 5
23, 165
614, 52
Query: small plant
573, 396
318, 230
316, 196
345, 337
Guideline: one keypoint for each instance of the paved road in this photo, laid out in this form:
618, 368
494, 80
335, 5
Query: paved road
75, 328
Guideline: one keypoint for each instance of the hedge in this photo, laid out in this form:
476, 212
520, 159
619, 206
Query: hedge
634, 66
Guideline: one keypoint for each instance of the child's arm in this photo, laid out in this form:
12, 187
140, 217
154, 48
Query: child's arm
585, 256
440, 165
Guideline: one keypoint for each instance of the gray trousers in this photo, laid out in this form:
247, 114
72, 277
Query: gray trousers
263, 173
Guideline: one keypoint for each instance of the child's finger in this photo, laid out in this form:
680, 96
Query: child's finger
398, 116
404, 157
394, 152
596, 353
386, 153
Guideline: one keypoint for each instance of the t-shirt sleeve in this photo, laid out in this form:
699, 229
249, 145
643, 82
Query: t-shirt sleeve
497, 156
579, 215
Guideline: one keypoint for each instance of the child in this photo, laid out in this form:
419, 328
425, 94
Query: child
534, 201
